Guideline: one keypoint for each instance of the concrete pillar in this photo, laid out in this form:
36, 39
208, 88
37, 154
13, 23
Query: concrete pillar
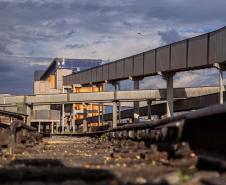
149, 102
115, 114
52, 127
99, 115
24, 119
29, 112
73, 117
102, 113
62, 118
39, 127
221, 87
85, 113
221, 68
119, 106
116, 106
44, 127
57, 127
169, 93
136, 104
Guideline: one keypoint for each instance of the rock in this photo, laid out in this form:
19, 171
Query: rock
141, 180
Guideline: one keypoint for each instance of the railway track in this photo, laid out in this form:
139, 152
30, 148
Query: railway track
17, 133
14, 131
202, 131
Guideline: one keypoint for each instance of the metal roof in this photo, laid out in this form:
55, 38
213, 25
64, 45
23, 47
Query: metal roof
60, 63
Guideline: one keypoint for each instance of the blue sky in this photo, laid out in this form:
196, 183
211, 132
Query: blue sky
32, 32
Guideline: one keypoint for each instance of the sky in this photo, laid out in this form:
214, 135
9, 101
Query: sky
33, 32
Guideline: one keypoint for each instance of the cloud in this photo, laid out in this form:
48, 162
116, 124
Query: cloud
170, 36
196, 78
100, 29
72, 46
16, 73
4, 49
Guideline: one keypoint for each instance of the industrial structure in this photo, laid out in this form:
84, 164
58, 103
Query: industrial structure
50, 81
204, 51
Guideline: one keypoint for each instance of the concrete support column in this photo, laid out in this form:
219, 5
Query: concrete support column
52, 127
115, 114
44, 128
85, 113
119, 106
99, 115
62, 118
221, 69
29, 110
39, 127
73, 118
221, 87
102, 113
57, 127
136, 104
73, 127
149, 102
169, 93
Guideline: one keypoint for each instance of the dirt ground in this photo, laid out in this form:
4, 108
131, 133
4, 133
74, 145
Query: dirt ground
130, 161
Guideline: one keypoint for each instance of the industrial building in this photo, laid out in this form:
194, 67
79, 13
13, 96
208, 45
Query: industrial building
50, 81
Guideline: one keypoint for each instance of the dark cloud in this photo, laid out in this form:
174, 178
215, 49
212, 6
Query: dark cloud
3, 5
4, 49
77, 46
191, 11
16, 73
170, 36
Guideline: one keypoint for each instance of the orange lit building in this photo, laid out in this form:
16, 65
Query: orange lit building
50, 81
93, 109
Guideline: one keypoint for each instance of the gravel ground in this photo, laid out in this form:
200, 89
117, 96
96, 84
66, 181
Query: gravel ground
131, 162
